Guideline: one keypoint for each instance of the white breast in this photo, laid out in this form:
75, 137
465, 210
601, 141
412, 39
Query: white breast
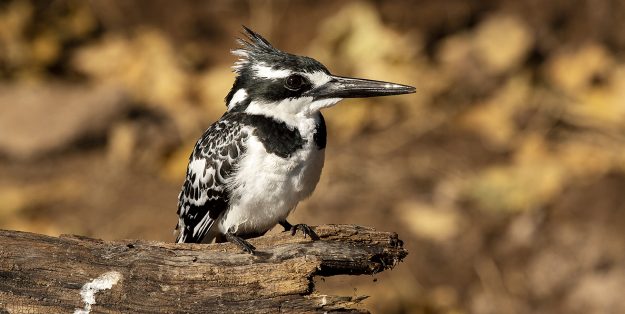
266, 188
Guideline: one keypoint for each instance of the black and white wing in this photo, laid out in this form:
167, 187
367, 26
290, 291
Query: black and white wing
205, 196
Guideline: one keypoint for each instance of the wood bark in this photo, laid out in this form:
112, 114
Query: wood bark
71, 274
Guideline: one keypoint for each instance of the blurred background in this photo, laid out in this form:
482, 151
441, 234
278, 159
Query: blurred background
504, 174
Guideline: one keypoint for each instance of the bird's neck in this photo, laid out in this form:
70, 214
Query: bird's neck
292, 112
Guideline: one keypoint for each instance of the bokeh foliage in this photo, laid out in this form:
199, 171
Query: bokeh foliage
503, 174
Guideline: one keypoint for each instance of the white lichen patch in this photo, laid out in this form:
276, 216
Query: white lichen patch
324, 301
88, 290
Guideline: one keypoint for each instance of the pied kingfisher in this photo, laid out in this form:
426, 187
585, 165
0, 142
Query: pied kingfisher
251, 168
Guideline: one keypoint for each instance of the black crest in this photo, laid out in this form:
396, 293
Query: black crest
256, 50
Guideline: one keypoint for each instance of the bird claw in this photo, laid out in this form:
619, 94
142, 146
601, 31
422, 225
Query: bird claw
244, 245
306, 230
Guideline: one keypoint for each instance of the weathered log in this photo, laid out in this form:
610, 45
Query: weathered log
70, 274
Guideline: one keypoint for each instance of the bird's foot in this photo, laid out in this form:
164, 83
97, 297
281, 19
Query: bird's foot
304, 228
244, 245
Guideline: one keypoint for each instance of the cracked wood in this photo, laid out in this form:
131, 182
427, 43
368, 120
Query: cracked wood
42, 274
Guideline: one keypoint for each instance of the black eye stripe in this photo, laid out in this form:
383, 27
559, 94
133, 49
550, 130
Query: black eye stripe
268, 89
295, 82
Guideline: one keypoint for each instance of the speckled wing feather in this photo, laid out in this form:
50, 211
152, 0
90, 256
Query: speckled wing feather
205, 196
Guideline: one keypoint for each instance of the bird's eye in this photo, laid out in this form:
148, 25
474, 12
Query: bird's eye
294, 82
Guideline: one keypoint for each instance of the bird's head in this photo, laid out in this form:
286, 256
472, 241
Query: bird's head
278, 84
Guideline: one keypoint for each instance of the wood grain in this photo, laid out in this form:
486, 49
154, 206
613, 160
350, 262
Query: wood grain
43, 274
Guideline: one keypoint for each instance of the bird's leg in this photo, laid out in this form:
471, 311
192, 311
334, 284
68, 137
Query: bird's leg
246, 246
286, 225
306, 230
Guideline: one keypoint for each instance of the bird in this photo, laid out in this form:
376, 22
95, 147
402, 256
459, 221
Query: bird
252, 167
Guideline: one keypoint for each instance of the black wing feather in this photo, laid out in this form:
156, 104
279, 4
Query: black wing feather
204, 196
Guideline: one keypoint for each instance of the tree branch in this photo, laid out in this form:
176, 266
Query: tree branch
70, 274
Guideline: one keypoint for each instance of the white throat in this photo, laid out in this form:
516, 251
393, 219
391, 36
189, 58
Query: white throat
292, 111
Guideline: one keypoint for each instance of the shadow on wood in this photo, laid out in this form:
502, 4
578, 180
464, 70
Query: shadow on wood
70, 274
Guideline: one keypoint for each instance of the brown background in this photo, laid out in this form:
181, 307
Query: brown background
504, 174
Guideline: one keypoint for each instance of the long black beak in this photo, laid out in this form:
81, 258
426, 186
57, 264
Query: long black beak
347, 87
